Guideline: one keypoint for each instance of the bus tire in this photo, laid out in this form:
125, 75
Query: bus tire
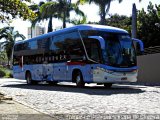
29, 79
79, 79
107, 85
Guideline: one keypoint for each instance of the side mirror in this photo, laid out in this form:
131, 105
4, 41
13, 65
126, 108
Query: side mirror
100, 39
139, 46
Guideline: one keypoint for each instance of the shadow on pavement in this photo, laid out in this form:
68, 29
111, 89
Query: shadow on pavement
90, 90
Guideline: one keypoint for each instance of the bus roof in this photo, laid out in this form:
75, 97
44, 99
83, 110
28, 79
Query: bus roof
79, 27
100, 27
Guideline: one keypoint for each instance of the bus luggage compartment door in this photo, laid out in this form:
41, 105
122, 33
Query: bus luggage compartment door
60, 71
47, 72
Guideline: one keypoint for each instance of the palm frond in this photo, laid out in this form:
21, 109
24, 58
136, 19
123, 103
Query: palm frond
10, 37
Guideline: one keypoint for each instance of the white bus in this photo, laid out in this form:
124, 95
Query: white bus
81, 54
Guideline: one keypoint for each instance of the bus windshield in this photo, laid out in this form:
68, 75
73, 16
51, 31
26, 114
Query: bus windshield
119, 50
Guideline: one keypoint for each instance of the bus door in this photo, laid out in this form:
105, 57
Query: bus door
93, 48
18, 67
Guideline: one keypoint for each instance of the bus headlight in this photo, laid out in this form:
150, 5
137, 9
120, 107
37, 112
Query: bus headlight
135, 71
105, 70
109, 71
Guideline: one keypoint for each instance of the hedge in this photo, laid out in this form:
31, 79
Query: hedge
4, 72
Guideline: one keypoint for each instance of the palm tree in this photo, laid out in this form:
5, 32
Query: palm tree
36, 9
2, 56
46, 13
82, 20
10, 37
40, 10
61, 10
104, 6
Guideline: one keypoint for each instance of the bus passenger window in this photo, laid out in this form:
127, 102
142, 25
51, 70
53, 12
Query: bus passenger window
37, 59
50, 58
46, 58
15, 60
93, 49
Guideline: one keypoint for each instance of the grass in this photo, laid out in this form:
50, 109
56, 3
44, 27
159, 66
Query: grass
5, 72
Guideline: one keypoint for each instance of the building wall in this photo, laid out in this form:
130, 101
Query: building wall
37, 30
149, 68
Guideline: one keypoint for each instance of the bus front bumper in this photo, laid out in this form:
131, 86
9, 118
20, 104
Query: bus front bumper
105, 76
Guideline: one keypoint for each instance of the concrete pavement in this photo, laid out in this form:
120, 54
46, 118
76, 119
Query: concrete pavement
12, 110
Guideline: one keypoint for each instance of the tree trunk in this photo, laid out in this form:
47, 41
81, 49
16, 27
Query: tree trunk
102, 15
102, 21
31, 32
50, 25
8, 62
64, 19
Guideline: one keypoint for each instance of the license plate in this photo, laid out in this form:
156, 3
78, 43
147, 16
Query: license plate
124, 78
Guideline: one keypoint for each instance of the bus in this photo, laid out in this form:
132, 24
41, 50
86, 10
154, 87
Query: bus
80, 54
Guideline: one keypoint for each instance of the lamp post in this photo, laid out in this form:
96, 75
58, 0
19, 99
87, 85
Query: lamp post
134, 21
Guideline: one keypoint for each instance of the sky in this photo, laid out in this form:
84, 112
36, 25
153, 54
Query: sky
123, 8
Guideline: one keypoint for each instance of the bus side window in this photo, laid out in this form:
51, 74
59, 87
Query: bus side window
75, 50
15, 60
93, 49
68, 46
39, 59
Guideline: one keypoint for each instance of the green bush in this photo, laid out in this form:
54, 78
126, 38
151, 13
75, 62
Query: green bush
2, 73
8, 75
1, 66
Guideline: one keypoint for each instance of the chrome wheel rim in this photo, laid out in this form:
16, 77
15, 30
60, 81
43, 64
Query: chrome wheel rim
78, 79
28, 79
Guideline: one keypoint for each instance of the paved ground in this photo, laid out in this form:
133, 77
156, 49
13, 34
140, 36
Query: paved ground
12, 110
67, 99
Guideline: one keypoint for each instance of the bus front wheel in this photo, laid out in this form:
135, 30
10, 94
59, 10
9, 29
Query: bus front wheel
79, 79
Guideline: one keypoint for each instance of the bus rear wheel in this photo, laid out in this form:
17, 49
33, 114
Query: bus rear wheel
29, 79
79, 79
107, 85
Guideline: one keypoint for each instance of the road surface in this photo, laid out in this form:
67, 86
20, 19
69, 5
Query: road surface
66, 99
